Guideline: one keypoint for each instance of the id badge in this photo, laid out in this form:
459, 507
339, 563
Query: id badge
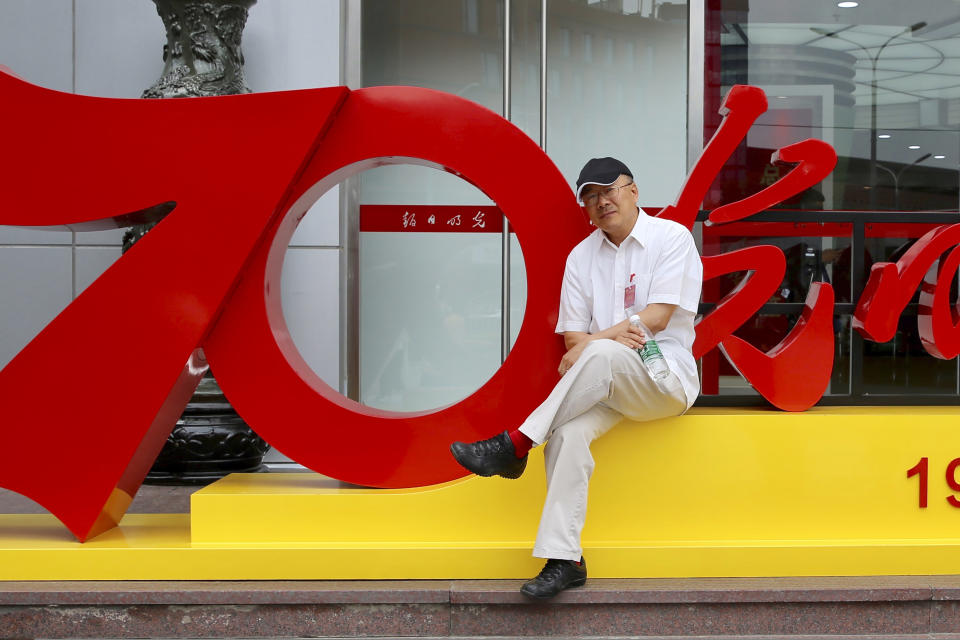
630, 296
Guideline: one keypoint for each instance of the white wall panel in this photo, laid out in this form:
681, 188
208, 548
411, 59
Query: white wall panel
36, 41
292, 44
91, 262
35, 285
111, 237
295, 44
119, 47
23, 235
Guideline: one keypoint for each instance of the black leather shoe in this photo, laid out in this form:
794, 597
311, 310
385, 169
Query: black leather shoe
494, 456
556, 576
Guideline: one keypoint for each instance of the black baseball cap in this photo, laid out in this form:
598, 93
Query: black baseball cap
602, 171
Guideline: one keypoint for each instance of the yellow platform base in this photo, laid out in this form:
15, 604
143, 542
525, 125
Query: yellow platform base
717, 492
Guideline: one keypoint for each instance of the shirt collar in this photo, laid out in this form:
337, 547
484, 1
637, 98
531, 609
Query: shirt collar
638, 233
640, 228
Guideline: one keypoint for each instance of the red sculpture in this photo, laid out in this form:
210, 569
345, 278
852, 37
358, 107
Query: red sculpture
795, 373
938, 320
815, 158
810, 342
131, 348
766, 266
892, 285
342, 438
741, 107
126, 350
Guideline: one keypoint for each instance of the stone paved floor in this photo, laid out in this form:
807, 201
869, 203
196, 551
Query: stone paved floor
150, 499
933, 636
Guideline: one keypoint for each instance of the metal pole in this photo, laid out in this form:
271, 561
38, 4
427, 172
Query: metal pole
543, 74
696, 63
857, 267
899, 174
873, 111
505, 236
350, 75
873, 135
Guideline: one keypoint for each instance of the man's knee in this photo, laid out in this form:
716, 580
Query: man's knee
604, 347
607, 351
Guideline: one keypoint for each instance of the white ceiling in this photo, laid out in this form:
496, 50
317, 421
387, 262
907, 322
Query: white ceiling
909, 66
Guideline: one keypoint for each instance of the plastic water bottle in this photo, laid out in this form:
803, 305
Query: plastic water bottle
650, 352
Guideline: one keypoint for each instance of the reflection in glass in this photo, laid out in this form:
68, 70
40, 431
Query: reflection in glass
766, 330
455, 47
809, 259
879, 84
903, 366
617, 85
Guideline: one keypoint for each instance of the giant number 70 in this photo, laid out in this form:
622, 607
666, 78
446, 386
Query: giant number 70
231, 177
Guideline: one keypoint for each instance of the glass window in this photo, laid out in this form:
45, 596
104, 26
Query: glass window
430, 303
471, 16
634, 112
824, 257
877, 81
902, 366
600, 102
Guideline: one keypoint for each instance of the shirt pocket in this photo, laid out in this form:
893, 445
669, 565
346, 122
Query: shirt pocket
642, 282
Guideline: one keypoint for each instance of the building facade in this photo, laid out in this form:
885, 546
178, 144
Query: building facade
401, 289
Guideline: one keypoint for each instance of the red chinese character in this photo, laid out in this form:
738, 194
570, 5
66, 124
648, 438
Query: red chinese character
891, 286
809, 345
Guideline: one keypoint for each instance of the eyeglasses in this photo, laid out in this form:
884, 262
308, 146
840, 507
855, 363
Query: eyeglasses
609, 193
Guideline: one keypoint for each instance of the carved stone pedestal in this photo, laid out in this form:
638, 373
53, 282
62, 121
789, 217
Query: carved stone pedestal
202, 57
209, 442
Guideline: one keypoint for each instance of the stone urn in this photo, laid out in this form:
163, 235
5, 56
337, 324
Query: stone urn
202, 57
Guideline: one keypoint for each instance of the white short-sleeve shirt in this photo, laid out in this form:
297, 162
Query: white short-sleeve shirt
660, 259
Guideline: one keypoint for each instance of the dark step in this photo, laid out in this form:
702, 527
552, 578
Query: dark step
870, 607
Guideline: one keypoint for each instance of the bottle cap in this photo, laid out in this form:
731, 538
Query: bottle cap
635, 321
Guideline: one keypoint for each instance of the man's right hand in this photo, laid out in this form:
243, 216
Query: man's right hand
571, 356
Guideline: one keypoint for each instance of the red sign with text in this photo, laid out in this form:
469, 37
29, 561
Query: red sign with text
430, 219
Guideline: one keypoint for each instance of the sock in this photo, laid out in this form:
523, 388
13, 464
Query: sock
521, 443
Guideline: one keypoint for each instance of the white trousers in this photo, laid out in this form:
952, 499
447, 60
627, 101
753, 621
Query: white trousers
607, 383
